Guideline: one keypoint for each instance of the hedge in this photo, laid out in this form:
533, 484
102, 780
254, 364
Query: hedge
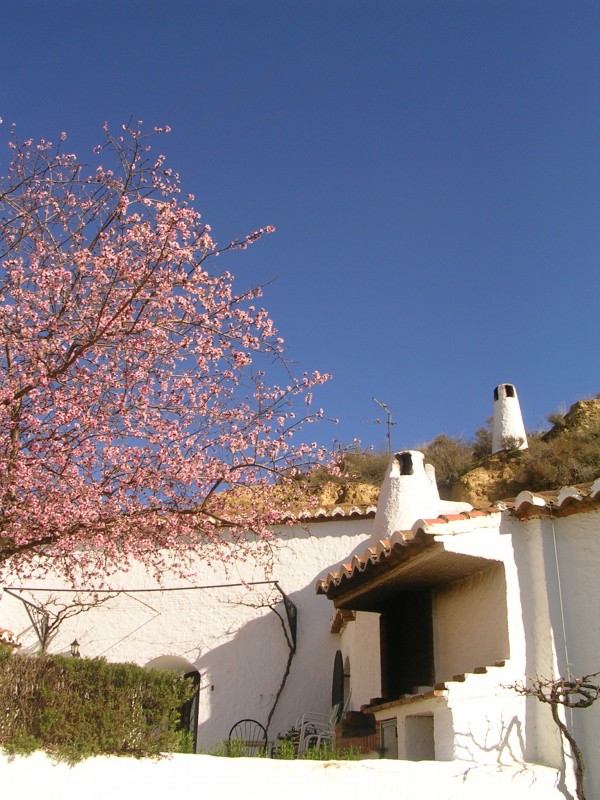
76, 708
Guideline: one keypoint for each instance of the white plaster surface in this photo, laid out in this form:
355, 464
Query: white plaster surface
470, 624
508, 420
536, 610
405, 498
263, 779
238, 647
360, 645
573, 545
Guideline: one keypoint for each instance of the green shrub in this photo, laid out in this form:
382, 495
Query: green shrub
450, 457
76, 708
355, 466
570, 457
285, 749
237, 748
364, 467
328, 752
482, 444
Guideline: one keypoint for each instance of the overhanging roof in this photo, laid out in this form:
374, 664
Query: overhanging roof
408, 561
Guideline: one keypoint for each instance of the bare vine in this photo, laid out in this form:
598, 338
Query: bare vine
570, 692
272, 603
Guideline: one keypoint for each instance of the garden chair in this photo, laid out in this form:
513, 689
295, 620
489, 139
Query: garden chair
247, 738
318, 729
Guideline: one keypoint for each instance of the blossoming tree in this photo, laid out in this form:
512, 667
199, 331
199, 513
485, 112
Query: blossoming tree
132, 392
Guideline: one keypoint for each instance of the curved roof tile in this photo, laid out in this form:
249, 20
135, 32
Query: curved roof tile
421, 531
570, 499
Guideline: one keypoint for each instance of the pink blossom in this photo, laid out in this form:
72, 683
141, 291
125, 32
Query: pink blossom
133, 376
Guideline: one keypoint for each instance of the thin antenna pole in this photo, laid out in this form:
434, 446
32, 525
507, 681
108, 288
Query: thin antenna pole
386, 408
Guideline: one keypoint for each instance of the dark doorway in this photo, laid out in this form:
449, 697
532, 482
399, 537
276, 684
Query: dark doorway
188, 713
406, 636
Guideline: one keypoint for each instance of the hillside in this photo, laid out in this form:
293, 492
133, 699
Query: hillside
466, 471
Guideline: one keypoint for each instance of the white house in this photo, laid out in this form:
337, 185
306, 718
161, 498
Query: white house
464, 606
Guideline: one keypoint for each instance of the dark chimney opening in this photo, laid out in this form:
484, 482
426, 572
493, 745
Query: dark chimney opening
405, 461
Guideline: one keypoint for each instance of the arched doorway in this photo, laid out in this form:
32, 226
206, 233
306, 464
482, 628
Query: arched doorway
188, 713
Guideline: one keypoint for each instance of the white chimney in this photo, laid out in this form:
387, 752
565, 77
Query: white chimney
408, 493
508, 421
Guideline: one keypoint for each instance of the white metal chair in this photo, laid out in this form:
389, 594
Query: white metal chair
318, 729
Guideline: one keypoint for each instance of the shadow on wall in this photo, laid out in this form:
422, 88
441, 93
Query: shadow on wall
242, 677
470, 747
534, 557
508, 743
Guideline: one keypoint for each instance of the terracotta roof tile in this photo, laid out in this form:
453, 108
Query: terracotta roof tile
385, 548
326, 513
450, 517
9, 638
568, 500
475, 513
340, 620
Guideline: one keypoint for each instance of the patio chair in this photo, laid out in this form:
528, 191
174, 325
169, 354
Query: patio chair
317, 729
312, 730
247, 737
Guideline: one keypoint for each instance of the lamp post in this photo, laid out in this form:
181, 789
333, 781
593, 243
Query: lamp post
75, 649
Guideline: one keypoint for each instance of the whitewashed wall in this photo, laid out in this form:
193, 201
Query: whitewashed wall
495, 718
574, 562
477, 721
360, 647
470, 623
266, 779
238, 648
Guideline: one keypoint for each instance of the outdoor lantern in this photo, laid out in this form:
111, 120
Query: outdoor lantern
75, 649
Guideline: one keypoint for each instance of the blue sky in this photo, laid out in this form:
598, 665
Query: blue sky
432, 169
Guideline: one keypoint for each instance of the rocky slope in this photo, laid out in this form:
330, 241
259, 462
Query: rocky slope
502, 475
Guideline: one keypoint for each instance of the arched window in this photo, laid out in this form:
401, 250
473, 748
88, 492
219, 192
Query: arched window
337, 686
346, 683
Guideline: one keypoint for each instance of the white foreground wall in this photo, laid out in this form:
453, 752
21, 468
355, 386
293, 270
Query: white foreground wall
264, 779
227, 634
